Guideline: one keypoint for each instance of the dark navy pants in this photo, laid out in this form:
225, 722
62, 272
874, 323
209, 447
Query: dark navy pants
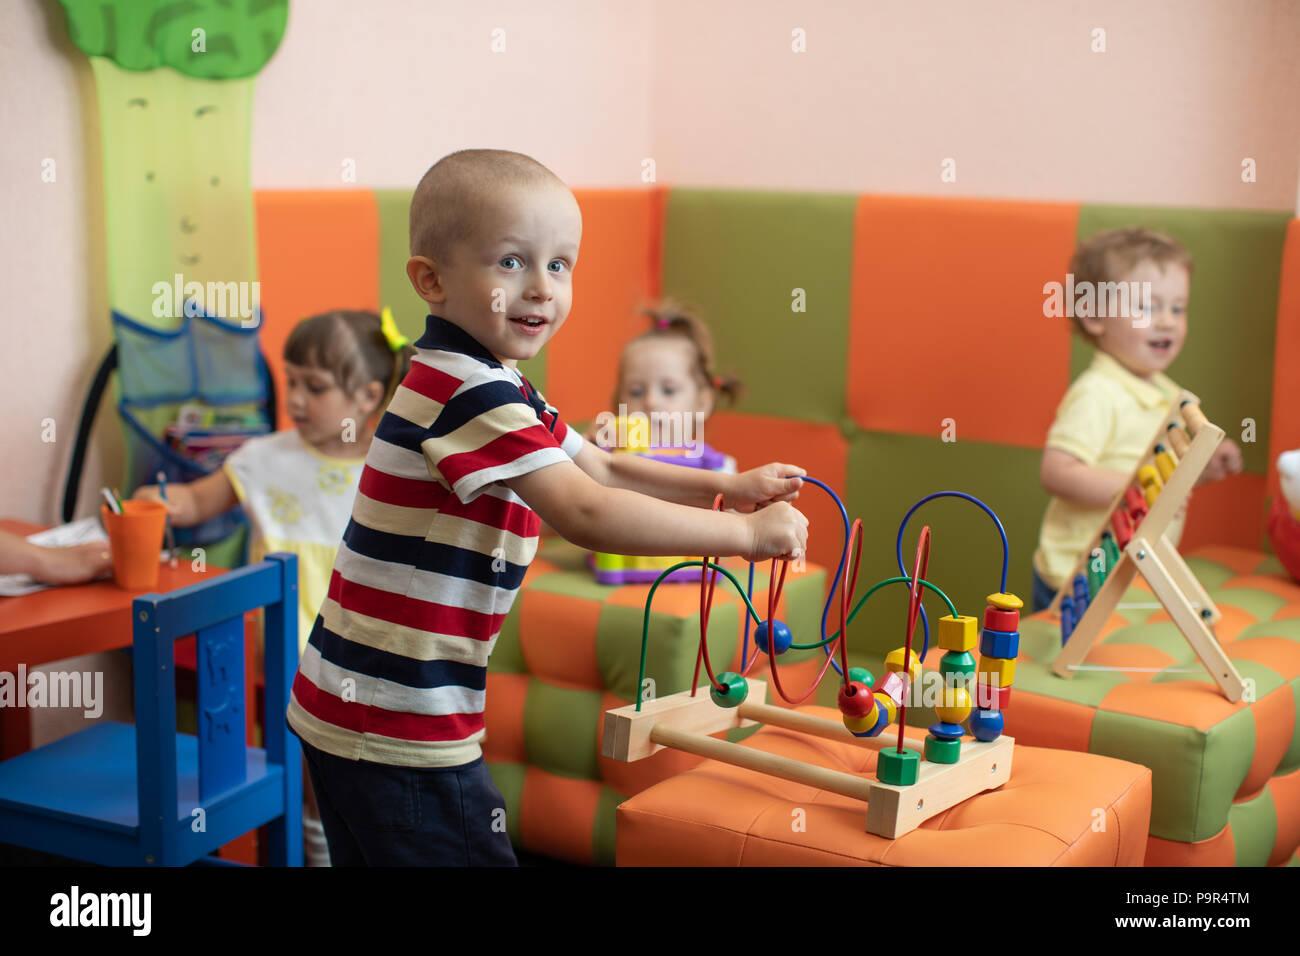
378, 815
1043, 593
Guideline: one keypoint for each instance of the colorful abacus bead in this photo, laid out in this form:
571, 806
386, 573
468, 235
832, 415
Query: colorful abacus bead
997, 671
860, 726
986, 725
1178, 440
1081, 595
958, 633
733, 691
782, 641
1151, 483
991, 697
1136, 503
1000, 620
887, 705
1096, 570
999, 643
1112, 550
1123, 525
1165, 463
1193, 417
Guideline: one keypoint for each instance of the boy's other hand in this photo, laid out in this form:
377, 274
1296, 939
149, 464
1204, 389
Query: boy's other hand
778, 531
154, 493
762, 486
1225, 461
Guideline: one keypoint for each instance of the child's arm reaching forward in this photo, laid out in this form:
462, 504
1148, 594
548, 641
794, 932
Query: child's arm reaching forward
691, 486
195, 502
622, 521
1066, 477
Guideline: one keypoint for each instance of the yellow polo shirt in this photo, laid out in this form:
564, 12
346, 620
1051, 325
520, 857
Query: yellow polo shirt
1105, 420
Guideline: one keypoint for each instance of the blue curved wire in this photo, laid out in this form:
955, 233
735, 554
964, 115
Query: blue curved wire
1006, 548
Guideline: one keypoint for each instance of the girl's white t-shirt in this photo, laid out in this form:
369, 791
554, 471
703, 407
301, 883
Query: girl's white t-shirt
297, 500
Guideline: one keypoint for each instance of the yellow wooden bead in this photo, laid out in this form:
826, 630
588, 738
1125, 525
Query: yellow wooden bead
860, 725
954, 705
894, 662
959, 633
1006, 602
997, 671
891, 709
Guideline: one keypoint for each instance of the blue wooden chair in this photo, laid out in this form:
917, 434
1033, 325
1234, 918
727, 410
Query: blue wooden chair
88, 797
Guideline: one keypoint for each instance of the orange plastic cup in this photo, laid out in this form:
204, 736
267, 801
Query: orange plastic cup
136, 537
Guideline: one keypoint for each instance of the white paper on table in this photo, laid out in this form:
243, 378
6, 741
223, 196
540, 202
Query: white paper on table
64, 536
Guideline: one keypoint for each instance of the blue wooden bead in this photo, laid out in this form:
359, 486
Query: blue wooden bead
736, 690
999, 643
986, 725
1081, 595
947, 731
1068, 619
783, 638
881, 722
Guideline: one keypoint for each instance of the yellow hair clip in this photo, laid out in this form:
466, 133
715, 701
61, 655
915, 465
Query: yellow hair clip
396, 340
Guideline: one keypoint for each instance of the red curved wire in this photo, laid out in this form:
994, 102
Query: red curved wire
919, 568
706, 605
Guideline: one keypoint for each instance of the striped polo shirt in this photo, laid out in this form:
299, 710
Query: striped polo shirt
395, 670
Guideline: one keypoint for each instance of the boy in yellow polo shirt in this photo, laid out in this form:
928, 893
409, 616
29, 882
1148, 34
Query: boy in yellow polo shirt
1111, 411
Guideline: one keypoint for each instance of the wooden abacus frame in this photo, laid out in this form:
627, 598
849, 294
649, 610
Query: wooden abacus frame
684, 722
1154, 556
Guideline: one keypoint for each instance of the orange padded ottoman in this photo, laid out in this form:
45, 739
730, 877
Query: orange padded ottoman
1060, 808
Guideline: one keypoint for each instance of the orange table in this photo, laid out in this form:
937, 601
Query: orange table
67, 621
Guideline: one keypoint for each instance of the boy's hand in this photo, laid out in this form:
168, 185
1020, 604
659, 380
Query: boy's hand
762, 486
154, 493
779, 531
1225, 461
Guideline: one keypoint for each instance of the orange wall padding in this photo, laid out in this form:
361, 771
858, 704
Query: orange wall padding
317, 250
618, 269
1230, 511
1284, 432
946, 317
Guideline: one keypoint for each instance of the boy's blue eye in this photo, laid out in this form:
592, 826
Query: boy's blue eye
506, 260
560, 263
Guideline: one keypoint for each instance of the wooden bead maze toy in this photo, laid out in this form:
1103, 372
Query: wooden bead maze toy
909, 786
1132, 540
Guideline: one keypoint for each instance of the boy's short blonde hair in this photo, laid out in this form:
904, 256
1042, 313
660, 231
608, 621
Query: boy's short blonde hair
1107, 256
447, 202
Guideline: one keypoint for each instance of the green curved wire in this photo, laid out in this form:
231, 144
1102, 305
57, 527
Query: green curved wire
649, 600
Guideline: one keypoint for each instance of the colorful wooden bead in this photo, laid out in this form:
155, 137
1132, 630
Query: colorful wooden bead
997, 671
990, 697
1178, 440
1097, 566
1081, 595
894, 662
954, 705
890, 686
1067, 619
1165, 463
942, 751
1001, 620
1112, 550
999, 643
860, 725
1193, 417
1005, 602
1136, 503
861, 675
1123, 525
899, 768
856, 700
946, 731
887, 707
782, 637
957, 633
733, 692
957, 666
986, 725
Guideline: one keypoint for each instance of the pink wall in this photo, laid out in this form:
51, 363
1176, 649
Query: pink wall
709, 89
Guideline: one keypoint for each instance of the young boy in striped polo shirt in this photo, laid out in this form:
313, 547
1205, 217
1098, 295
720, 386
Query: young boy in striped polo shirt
389, 697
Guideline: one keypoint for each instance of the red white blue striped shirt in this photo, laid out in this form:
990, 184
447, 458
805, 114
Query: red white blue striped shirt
395, 669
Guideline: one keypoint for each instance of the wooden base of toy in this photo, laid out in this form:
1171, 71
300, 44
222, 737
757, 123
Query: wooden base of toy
684, 723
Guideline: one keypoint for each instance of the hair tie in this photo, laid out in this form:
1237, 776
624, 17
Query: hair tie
661, 322
718, 381
396, 340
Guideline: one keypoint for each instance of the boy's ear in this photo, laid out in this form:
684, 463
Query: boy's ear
1092, 324
426, 279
